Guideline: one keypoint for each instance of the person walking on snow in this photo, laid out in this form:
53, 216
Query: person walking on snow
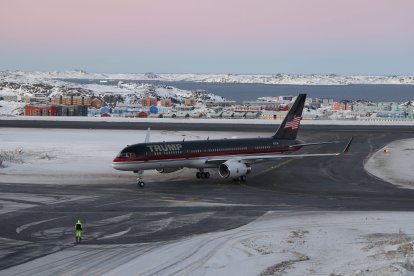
78, 228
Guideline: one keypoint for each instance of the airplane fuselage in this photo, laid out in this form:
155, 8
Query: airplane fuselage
193, 154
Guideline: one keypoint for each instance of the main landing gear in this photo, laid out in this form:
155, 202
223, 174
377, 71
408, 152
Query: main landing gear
202, 174
240, 179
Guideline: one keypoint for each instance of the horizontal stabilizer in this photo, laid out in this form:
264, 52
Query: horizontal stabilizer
348, 145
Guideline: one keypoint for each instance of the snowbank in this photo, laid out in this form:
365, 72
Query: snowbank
394, 163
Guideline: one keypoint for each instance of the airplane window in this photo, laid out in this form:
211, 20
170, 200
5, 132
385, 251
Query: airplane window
127, 155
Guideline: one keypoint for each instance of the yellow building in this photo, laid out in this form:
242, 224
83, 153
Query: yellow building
77, 100
166, 102
190, 101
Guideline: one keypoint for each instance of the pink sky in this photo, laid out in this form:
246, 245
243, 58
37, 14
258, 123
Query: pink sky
179, 26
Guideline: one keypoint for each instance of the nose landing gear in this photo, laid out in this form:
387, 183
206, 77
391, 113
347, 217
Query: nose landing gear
140, 182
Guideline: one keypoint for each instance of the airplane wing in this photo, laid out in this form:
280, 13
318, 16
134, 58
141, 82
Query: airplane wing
267, 157
313, 144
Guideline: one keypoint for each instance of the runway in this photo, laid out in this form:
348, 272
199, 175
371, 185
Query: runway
176, 207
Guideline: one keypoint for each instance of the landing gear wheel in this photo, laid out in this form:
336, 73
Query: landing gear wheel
207, 175
141, 184
243, 178
198, 175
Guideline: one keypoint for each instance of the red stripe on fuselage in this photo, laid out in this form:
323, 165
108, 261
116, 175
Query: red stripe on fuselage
203, 154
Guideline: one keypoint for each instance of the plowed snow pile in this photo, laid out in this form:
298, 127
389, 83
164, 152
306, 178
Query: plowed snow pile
394, 163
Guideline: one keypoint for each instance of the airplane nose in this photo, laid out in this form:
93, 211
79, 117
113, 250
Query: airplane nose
117, 164
123, 164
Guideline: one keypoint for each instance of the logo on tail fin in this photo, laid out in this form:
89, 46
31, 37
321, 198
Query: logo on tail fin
289, 127
294, 123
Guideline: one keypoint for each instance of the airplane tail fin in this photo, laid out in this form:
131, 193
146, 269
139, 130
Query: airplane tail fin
147, 136
288, 129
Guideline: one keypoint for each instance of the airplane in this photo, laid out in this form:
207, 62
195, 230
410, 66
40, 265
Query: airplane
232, 157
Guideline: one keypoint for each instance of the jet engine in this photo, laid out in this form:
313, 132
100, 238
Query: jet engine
234, 169
168, 170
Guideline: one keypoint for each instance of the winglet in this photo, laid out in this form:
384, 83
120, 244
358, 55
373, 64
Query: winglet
147, 137
346, 149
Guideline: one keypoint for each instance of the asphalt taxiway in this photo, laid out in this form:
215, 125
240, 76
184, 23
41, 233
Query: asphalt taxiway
168, 210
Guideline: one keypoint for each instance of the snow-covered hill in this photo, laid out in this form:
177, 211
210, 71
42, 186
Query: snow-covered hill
52, 84
314, 79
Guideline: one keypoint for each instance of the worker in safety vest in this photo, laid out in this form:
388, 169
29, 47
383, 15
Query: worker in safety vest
78, 228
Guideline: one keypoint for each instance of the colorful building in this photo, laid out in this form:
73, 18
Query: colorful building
190, 101
341, 106
166, 102
55, 110
148, 101
40, 110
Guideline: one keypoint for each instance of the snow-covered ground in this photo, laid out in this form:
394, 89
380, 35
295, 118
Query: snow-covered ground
9, 108
394, 163
291, 242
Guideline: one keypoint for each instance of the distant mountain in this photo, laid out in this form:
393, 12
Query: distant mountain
314, 79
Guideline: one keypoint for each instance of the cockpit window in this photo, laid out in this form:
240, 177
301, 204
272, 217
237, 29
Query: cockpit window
126, 155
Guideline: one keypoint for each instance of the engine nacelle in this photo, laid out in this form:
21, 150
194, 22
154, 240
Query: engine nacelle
168, 170
234, 169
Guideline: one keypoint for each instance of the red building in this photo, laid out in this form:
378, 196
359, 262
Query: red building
341, 106
40, 110
142, 114
149, 101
